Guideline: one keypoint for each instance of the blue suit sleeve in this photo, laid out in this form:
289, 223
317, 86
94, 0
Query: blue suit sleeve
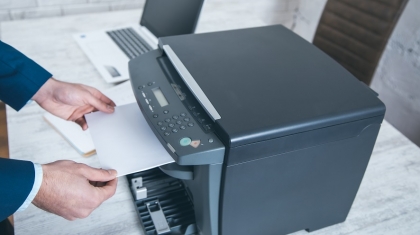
16, 182
20, 77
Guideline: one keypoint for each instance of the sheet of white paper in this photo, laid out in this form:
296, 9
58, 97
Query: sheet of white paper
121, 94
73, 133
125, 142
81, 140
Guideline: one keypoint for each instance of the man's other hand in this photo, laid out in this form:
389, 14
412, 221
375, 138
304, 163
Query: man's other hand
73, 190
72, 101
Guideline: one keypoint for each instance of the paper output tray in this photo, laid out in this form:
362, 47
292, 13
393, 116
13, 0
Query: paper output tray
174, 201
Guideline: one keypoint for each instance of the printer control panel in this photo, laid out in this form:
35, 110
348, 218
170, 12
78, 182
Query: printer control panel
176, 117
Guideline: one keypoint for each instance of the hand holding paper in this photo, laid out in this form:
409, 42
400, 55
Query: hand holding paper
73, 190
125, 142
79, 139
71, 101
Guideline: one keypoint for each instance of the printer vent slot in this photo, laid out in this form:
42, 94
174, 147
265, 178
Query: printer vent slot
173, 198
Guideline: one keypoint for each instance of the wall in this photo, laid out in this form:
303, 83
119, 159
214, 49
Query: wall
306, 17
397, 78
26, 9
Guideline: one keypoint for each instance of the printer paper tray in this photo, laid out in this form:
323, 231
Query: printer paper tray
174, 201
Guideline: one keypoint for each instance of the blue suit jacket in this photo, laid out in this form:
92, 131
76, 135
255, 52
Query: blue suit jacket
20, 79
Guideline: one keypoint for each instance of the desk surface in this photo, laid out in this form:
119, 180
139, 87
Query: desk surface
388, 201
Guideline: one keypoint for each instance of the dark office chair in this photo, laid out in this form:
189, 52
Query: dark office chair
355, 32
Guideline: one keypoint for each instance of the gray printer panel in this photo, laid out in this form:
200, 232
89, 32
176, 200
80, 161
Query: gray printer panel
178, 121
268, 82
306, 188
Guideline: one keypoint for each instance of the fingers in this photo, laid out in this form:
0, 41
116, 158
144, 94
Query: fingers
106, 99
66, 192
100, 96
108, 190
100, 105
97, 183
96, 93
82, 123
94, 174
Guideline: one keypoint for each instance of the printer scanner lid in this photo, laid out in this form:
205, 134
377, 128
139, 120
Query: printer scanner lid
268, 82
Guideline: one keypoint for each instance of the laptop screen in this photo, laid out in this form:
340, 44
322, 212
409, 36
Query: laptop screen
171, 17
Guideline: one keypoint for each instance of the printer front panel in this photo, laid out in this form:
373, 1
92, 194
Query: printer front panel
307, 188
167, 105
174, 115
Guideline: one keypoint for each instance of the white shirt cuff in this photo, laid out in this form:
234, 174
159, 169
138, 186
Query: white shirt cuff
35, 188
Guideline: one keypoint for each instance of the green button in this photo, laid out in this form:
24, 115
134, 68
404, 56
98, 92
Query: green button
185, 141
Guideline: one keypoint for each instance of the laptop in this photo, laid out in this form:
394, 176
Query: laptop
111, 49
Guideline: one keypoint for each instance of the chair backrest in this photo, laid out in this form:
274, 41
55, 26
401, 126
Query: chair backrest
355, 32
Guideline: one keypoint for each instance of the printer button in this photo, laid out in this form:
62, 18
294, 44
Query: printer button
190, 124
174, 130
171, 125
175, 117
160, 123
167, 133
165, 111
155, 116
187, 119
182, 127
183, 114
163, 128
168, 120
185, 141
195, 143
178, 122
208, 127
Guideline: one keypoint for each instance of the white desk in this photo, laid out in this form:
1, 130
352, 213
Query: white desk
388, 201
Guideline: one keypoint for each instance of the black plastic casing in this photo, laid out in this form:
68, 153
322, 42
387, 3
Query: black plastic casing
297, 127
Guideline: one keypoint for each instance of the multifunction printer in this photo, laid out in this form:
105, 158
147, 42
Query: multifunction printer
269, 135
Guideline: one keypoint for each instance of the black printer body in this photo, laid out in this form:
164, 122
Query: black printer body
269, 135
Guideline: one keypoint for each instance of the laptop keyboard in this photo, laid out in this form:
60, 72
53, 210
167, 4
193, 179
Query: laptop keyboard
129, 42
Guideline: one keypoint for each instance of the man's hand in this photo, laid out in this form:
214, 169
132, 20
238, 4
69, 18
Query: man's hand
72, 101
73, 190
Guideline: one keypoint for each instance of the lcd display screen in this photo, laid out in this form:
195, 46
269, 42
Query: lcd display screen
160, 97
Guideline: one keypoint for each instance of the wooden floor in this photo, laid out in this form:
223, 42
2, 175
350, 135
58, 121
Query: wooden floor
4, 143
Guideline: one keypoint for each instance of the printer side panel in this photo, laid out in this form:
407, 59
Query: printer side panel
308, 188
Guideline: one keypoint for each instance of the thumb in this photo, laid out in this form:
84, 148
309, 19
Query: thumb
99, 104
109, 189
94, 174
